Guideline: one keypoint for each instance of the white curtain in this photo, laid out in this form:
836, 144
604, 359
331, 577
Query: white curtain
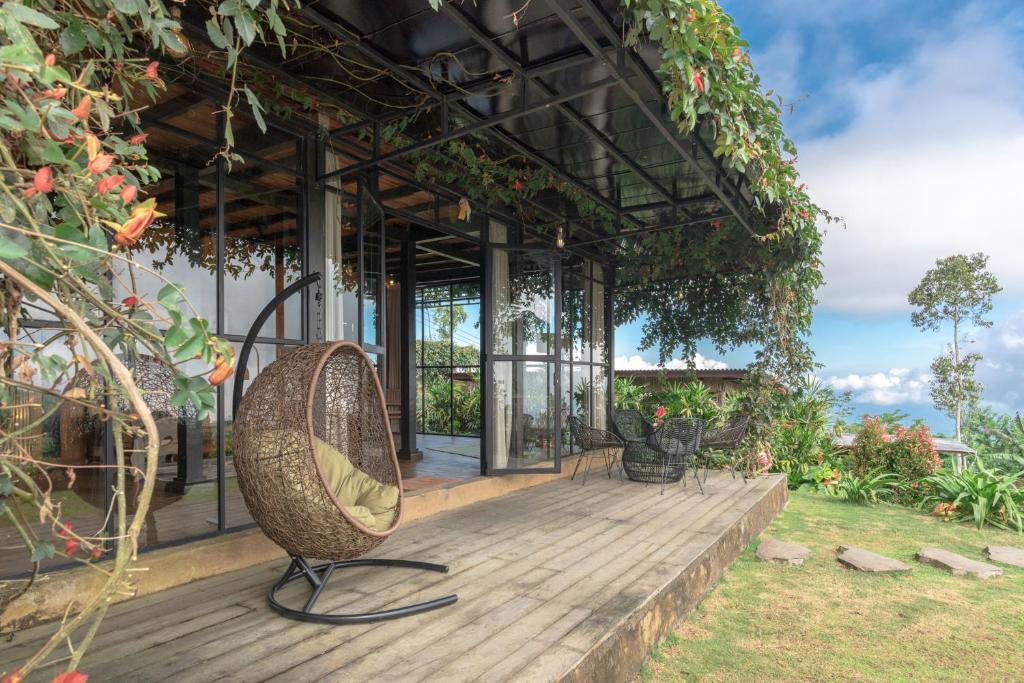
501, 380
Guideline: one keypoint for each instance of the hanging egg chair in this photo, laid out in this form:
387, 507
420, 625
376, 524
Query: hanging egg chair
317, 468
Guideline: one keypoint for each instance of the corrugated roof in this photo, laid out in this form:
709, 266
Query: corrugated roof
672, 373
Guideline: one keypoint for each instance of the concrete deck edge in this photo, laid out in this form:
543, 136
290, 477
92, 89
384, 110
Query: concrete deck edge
164, 568
620, 654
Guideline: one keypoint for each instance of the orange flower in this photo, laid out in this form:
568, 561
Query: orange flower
107, 184
100, 164
81, 112
128, 193
151, 71
222, 369
43, 180
138, 139
142, 215
51, 59
13, 677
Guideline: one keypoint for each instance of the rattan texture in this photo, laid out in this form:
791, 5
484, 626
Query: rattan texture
591, 438
666, 452
726, 437
329, 391
631, 426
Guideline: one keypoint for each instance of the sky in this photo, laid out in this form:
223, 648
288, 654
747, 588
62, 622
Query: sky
909, 120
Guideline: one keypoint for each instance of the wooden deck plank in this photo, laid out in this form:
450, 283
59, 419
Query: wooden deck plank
546, 578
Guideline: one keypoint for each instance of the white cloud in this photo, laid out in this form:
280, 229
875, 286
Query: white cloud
928, 165
897, 386
639, 363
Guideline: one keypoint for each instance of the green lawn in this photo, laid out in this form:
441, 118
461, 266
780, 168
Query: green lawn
823, 622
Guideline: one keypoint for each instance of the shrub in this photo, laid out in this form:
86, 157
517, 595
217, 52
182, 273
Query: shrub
977, 494
907, 452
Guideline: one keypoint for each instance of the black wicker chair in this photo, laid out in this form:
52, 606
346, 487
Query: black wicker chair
675, 443
631, 426
726, 438
591, 440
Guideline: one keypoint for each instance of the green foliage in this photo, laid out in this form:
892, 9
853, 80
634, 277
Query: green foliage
630, 395
688, 399
867, 489
989, 432
977, 494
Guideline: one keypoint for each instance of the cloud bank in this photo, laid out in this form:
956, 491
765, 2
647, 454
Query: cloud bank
639, 363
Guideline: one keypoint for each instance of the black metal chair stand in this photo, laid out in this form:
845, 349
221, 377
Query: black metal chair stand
591, 439
318, 576
726, 438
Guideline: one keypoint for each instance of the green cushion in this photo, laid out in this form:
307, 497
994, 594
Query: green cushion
372, 503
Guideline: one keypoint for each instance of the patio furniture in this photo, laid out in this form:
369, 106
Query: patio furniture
631, 426
590, 440
316, 465
726, 438
665, 454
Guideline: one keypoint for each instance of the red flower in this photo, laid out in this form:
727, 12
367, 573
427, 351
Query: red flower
100, 164
43, 180
138, 139
128, 193
737, 54
70, 546
130, 301
716, 224
81, 112
97, 553
517, 185
51, 59
698, 81
70, 677
107, 184
151, 71
660, 412
63, 531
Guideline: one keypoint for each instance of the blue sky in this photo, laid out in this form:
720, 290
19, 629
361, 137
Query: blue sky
909, 117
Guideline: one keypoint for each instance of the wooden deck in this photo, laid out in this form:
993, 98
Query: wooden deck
559, 581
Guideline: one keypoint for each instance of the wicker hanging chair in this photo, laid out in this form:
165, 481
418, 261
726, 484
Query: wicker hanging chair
305, 413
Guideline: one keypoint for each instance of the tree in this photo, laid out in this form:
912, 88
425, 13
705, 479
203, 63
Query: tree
959, 289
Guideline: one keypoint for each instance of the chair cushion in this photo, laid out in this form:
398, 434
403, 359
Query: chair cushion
372, 503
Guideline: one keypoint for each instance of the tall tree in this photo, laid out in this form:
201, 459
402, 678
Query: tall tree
959, 289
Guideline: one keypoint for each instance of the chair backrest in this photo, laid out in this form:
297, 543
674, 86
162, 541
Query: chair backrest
728, 436
580, 433
679, 435
630, 425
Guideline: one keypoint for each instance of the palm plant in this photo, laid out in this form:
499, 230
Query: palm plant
978, 494
689, 399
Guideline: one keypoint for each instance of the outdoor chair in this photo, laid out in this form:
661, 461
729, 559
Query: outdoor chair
726, 438
316, 465
591, 440
666, 453
631, 426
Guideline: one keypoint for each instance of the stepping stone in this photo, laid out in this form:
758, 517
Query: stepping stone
867, 561
957, 565
1005, 554
783, 552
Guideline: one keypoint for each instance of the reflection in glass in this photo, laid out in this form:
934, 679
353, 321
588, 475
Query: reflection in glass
523, 404
524, 294
373, 278
262, 248
342, 272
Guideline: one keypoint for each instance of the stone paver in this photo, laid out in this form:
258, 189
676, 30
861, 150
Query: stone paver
957, 565
1005, 554
867, 561
783, 552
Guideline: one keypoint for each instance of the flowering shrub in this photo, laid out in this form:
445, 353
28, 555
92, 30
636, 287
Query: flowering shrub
907, 452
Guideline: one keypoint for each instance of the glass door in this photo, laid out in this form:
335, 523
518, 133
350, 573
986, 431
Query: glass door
522, 374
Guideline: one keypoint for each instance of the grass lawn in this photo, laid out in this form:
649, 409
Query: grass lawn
823, 622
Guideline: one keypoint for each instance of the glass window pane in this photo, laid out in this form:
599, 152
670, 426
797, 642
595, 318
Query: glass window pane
262, 248
581, 392
524, 309
466, 401
180, 247
523, 405
600, 342
599, 398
